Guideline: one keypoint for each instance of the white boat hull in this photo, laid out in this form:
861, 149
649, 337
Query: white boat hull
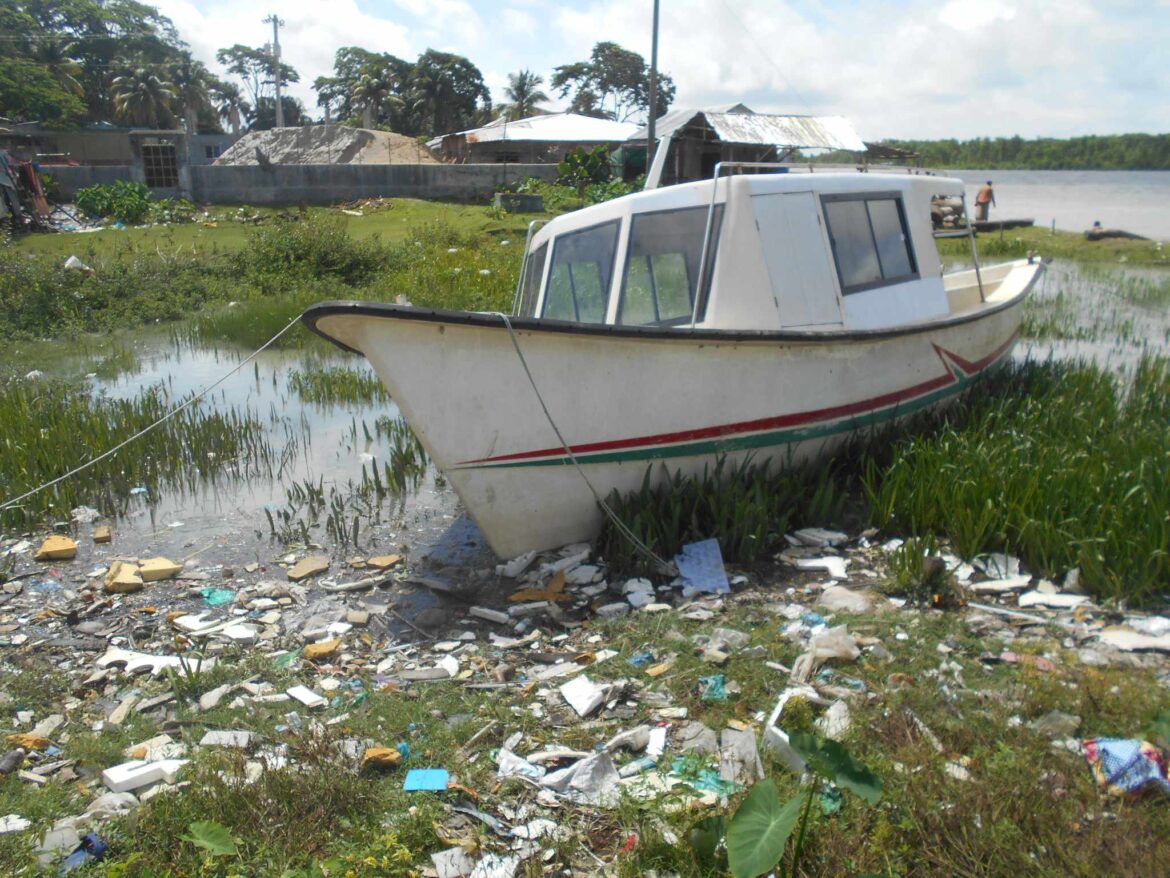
625, 399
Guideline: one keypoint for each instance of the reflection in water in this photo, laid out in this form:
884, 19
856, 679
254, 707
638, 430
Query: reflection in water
342, 470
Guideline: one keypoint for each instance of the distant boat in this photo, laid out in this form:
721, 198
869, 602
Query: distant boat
770, 315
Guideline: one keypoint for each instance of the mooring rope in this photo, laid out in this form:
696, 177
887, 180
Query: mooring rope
8, 504
623, 529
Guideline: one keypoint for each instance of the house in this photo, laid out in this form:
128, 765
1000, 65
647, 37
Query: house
536, 140
691, 142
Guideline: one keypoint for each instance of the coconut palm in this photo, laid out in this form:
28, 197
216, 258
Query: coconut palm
57, 57
230, 104
142, 98
189, 82
524, 95
372, 94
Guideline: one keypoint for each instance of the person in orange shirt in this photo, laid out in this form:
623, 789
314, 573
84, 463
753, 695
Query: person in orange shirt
983, 202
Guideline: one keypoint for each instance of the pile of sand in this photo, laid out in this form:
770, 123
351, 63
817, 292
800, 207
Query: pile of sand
326, 145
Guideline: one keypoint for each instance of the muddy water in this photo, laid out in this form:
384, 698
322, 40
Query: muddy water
321, 444
1102, 314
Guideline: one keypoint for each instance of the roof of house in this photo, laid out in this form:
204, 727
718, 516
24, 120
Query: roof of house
552, 128
741, 125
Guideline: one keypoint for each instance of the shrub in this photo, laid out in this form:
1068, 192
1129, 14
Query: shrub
122, 200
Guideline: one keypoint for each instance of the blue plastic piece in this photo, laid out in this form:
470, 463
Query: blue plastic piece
430, 779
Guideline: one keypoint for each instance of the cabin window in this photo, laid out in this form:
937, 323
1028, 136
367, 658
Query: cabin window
582, 268
870, 240
533, 275
662, 266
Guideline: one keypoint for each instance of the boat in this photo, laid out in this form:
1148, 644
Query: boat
751, 314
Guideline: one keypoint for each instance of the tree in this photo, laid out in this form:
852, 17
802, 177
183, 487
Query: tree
350, 64
446, 93
264, 116
230, 104
524, 95
613, 84
370, 95
80, 45
189, 82
143, 99
57, 56
254, 67
29, 93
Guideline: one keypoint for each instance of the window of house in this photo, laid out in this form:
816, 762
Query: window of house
662, 266
509, 158
533, 274
870, 240
580, 274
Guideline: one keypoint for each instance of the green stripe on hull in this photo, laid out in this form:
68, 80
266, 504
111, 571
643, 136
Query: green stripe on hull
758, 440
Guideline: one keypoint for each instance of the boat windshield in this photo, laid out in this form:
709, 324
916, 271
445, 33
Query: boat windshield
662, 265
580, 275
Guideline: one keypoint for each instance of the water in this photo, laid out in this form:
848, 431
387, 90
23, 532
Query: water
322, 443
1136, 201
1101, 314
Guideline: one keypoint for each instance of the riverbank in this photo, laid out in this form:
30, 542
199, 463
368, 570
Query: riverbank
970, 718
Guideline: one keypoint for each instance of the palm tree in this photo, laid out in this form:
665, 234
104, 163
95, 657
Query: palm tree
230, 104
142, 98
524, 95
56, 56
189, 82
371, 94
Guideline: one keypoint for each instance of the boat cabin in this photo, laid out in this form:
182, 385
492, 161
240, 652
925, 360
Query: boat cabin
779, 251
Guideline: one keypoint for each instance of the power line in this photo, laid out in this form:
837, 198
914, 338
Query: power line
767, 57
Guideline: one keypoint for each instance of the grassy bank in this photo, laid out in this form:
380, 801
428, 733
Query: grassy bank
1017, 243
438, 255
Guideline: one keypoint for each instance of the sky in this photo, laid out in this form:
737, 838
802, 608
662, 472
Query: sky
894, 68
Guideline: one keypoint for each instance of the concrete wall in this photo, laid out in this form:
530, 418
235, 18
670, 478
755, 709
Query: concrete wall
71, 178
325, 184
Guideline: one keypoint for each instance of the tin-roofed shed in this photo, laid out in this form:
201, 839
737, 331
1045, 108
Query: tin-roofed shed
698, 139
544, 138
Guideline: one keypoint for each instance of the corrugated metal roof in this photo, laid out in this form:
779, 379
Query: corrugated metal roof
767, 129
553, 127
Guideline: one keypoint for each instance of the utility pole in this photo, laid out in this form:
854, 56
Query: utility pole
651, 139
276, 24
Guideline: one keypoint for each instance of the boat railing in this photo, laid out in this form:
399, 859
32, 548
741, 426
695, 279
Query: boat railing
532, 227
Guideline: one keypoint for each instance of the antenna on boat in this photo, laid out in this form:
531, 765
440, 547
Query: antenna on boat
653, 96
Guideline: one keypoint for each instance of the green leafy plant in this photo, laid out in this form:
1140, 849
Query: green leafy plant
581, 167
212, 837
122, 200
758, 834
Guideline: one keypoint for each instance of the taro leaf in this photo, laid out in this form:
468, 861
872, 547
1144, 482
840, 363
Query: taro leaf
212, 837
759, 831
830, 760
704, 839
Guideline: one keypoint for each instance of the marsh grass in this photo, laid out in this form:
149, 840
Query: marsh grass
747, 506
340, 513
337, 385
1065, 465
1062, 464
50, 426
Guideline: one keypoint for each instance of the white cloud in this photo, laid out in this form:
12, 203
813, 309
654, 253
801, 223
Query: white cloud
997, 68
908, 68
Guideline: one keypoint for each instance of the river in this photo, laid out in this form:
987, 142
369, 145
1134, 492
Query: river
1136, 201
